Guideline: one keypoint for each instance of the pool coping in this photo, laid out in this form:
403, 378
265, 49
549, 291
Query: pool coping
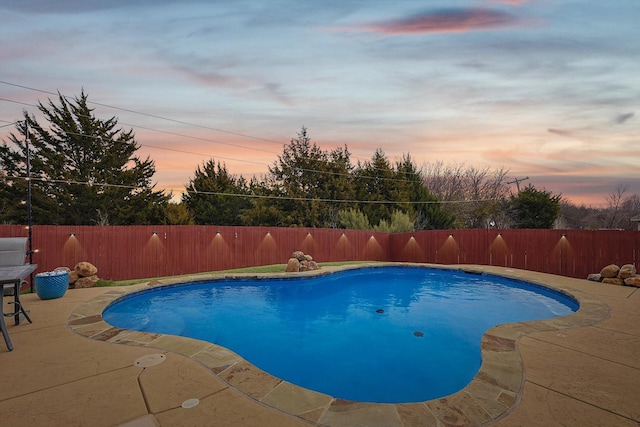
492, 394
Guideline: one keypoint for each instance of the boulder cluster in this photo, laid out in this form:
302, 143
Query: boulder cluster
614, 275
301, 262
83, 275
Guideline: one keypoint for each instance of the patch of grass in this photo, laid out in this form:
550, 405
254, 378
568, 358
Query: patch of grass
273, 268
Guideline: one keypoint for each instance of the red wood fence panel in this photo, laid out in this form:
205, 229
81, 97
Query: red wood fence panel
129, 252
573, 253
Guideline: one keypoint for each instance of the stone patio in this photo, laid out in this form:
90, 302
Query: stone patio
71, 368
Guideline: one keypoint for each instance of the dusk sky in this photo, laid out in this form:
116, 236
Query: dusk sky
548, 89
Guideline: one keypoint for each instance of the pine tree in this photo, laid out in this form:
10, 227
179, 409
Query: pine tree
306, 185
83, 170
215, 197
532, 208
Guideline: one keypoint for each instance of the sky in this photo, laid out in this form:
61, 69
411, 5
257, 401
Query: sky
547, 89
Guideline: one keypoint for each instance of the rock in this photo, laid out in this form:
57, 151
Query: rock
73, 276
293, 265
610, 271
85, 269
627, 271
299, 261
595, 277
299, 255
86, 282
613, 281
632, 281
67, 269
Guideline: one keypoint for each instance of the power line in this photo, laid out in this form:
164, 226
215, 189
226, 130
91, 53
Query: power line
253, 196
70, 99
145, 114
221, 157
156, 130
8, 123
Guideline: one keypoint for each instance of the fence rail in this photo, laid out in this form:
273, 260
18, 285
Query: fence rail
131, 252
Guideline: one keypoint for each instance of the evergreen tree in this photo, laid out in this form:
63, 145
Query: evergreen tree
178, 214
306, 185
215, 197
532, 208
429, 214
376, 185
263, 210
84, 170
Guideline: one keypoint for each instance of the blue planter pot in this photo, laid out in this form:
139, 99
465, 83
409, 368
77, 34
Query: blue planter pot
52, 285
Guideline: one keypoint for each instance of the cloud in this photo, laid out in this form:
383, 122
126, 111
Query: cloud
76, 7
561, 132
444, 21
511, 2
623, 118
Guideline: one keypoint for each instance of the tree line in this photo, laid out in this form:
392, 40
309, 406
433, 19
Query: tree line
85, 171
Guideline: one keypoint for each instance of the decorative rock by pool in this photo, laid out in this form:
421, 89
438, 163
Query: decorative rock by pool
84, 275
627, 271
633, 281
614, 275
300, 261
609, 271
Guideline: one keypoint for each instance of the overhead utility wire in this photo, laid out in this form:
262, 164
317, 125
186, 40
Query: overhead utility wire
147, 114
215, 141
158, 130
153, 116
253, 196
8, 123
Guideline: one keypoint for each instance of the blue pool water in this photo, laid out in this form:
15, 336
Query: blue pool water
376, 334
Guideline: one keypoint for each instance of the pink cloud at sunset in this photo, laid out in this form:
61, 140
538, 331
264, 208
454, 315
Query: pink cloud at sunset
444, 21
511, 2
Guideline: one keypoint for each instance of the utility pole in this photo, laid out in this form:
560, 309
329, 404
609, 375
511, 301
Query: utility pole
29, 209
517, 182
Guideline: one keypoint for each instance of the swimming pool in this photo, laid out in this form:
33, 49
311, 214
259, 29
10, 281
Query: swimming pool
376, 334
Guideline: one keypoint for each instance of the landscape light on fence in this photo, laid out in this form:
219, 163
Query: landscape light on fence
72, 235
564, 235
155, 233
499, 234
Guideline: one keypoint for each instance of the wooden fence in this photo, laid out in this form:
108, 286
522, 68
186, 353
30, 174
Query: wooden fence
573, 253
129, 252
